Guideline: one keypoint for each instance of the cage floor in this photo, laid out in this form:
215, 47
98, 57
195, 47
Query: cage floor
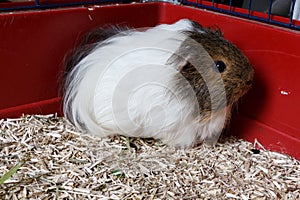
44, 157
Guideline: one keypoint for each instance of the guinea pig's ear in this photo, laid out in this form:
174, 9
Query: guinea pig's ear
177, 61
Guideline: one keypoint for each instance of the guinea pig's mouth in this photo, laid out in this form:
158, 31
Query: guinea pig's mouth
242, 93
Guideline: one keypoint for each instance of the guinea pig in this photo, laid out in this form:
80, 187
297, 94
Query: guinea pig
173, 82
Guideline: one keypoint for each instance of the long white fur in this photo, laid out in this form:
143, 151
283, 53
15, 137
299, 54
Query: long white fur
124, 86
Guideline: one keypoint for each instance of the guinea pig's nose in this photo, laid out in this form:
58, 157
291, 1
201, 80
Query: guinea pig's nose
249, 82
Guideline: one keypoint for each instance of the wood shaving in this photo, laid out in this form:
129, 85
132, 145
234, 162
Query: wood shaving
62, 163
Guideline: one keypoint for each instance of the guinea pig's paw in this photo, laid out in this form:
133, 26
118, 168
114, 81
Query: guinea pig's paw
212, 141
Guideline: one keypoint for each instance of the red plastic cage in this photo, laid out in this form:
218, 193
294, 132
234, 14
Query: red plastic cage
33, 44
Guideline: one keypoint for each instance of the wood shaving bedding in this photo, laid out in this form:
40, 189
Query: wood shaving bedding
44, 157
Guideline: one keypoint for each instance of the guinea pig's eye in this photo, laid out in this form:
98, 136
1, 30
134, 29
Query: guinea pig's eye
219, 66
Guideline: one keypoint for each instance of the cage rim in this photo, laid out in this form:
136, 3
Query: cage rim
230, 11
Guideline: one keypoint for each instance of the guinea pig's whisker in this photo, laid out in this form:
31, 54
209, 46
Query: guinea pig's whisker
236, 108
